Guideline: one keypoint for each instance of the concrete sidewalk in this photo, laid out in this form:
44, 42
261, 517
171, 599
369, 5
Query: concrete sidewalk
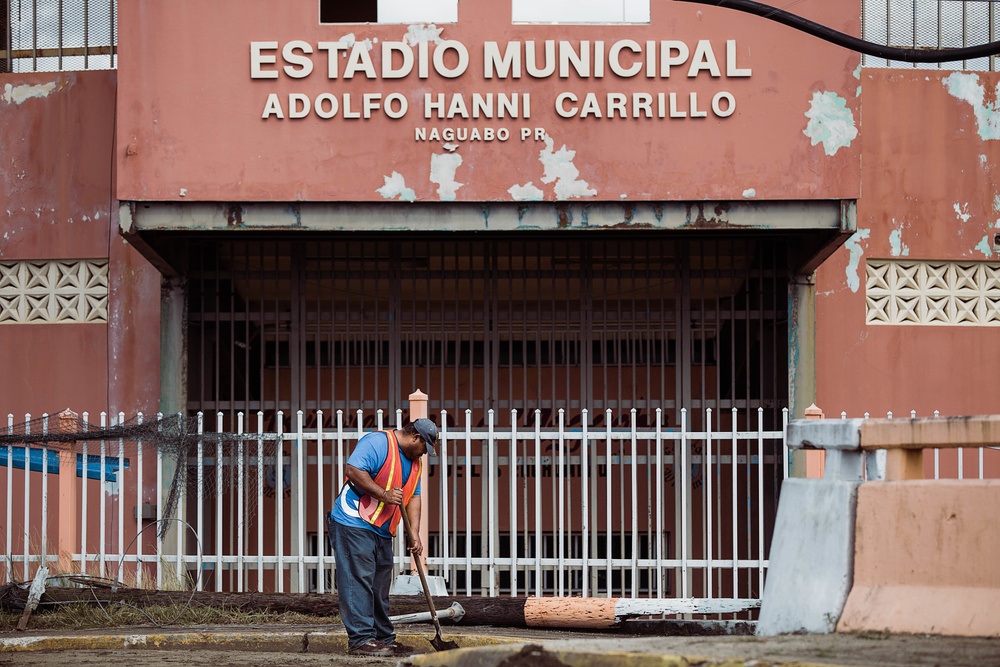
508, 647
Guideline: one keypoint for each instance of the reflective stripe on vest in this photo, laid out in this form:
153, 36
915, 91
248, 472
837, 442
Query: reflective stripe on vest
390, 476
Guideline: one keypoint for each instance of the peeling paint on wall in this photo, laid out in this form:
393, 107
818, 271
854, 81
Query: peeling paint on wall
17, 94
750, 193
966, 87
559, 168
962, 211
419, 33
896, 246
527, 192
857, 75
985, 247
395, 186
350, 39
830, 122
443, 169
857, 252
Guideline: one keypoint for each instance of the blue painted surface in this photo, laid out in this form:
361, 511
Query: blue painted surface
35, 458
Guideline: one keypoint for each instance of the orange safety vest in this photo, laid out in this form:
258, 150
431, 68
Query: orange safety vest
390, 476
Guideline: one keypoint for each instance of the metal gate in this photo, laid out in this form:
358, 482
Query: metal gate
597, 322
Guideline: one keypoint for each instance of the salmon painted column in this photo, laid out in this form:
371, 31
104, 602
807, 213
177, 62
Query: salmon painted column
418, 410
69, 537
814, 457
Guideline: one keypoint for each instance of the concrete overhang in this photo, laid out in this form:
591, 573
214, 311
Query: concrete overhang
830, 215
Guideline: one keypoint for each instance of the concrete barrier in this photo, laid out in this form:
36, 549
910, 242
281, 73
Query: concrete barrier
926, 559
812, 549
899, 556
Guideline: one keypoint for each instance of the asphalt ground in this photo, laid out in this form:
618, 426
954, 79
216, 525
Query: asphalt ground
484, 647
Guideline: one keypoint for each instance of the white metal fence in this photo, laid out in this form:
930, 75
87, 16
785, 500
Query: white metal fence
599, 508
597, 505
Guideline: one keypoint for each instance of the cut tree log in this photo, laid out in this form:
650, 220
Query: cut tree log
506, 612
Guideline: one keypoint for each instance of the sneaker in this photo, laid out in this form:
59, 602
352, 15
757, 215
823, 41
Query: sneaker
398, 649
372, 649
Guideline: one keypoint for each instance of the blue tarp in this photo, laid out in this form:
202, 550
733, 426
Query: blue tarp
111, 464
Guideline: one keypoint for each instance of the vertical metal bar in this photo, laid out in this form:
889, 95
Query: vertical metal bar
585, 496
760, 502
240, 504
103, 498
9, 523
43, 532
635, 504
446, 468
492, 502
218, 501
468, 501
300, 509
320, 508
512, 474
685, 469
59, 35
200, 502
86, 35
538, 503
279, 491
140, 483
608, 504
260, 501
159, 509
660, 557
735, 508
84, 569
339, 479
34, 37
709, 516
561, 507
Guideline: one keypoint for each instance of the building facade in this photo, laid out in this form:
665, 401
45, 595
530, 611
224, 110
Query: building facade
665, 207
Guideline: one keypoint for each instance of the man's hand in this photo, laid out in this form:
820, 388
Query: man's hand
392, 497
416, 548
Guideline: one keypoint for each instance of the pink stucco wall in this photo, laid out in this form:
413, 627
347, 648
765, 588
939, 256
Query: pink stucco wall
928, 192
56, 182
190, 124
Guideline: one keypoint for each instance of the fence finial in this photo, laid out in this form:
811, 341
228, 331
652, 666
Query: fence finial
814, 412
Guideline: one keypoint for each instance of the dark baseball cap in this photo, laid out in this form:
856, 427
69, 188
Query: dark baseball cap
428, 433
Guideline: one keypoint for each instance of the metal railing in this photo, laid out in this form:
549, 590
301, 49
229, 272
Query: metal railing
931, 24
512, 509
58, 35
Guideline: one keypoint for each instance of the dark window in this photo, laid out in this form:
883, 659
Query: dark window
348, 11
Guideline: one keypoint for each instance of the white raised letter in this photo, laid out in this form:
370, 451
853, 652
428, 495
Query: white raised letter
668, 60
731, 69
359, 60
703, 59
614, 58
272, 107
298, 105
402, 48
506, 66
717, 107
561, 107
463, 59
257, 59
304, 63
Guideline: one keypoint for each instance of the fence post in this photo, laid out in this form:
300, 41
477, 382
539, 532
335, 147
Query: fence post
815, 459
69, 537
418, 410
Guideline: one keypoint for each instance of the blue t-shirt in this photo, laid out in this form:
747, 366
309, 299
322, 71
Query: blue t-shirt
369, 455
